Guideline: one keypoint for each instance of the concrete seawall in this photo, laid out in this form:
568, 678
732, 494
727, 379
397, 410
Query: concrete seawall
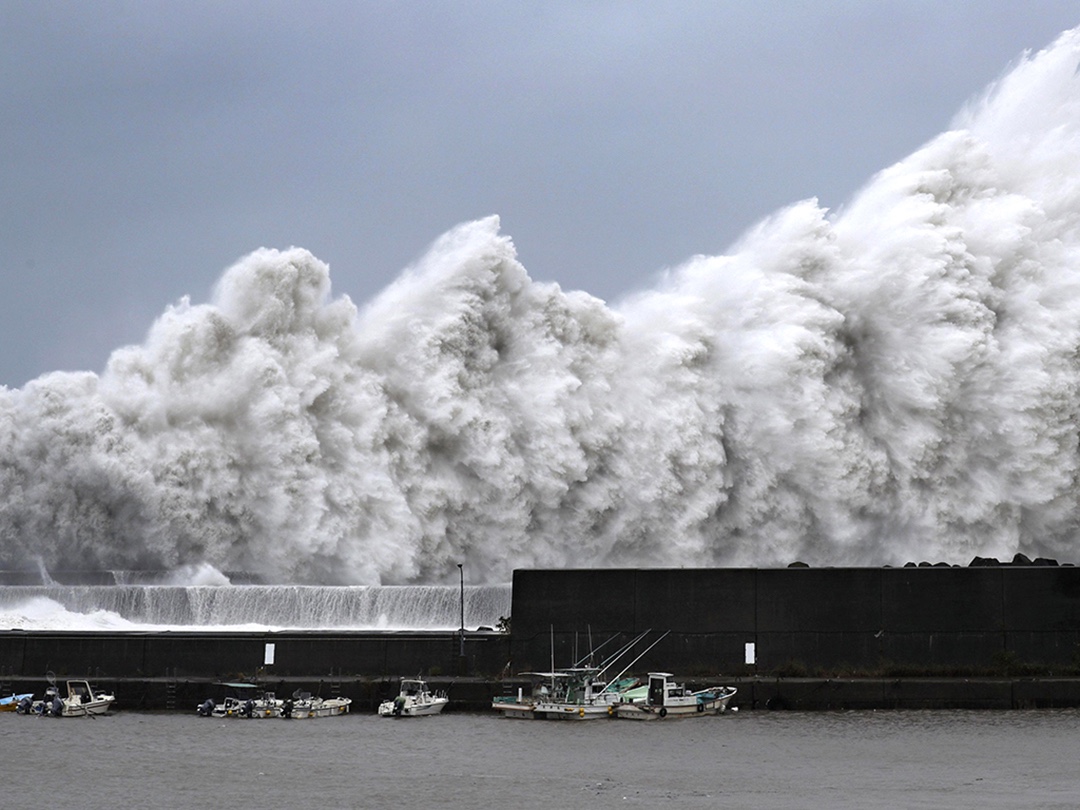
928, 620
855, 638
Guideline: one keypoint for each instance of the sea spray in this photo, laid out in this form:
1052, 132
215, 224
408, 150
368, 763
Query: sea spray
896, 380
252, 607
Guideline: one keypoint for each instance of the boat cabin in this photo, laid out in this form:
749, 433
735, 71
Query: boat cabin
413, 687
661, 688
573, 685
80, 691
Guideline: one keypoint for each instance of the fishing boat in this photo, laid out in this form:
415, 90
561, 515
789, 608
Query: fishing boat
575, 693
569, 694
11, 702
521, 706
244, 700
302, 705
414, 699
82, 700
662, 697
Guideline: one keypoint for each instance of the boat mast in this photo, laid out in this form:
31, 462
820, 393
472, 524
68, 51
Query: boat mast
552, 627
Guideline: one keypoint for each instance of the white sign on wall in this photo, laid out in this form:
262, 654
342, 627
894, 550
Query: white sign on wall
751, 652
268, 657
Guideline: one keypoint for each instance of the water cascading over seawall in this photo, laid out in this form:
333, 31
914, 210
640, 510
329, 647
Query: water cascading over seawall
251, 607
893, 381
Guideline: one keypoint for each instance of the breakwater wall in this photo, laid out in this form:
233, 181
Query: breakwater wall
904, 621
928, 637
238, 656
179, 670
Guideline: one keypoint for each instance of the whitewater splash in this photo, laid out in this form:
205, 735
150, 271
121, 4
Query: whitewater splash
251, 607
898, 380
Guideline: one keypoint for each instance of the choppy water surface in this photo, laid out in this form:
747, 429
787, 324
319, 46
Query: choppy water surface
750, 759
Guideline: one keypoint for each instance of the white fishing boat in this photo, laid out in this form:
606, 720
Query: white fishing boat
82, 700
246, 700
576, 693
303, 705
664, 698
414, 699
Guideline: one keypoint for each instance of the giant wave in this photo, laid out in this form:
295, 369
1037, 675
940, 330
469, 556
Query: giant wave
895, 380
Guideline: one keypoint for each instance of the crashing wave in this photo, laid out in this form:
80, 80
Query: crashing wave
895, 380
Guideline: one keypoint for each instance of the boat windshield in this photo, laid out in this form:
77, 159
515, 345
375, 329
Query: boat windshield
412, 687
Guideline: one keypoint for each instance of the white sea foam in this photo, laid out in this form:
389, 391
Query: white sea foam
251, 607
897, 380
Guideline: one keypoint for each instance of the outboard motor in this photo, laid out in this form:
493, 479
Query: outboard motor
286, 709
399, 705
25, 706
56, 708
206, 708
249, 708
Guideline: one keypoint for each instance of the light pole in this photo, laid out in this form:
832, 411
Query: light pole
461, 571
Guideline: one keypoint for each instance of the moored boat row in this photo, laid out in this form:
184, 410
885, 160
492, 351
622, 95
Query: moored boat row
572, 695
248, 701
582, 693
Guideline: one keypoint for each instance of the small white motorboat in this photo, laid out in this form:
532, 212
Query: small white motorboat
303, 704
414, 700
81, 701
665, 698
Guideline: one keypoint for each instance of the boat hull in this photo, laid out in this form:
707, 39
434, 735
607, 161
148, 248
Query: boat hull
425, 709
571, 711
691, 708
319, 708
95, 707
516, 710
551, 710
70, 708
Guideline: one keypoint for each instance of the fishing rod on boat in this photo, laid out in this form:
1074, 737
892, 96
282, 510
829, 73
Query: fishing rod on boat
616, 678
622, 651
593, 652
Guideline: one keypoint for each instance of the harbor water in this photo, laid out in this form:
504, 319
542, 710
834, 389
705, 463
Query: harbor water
759, 759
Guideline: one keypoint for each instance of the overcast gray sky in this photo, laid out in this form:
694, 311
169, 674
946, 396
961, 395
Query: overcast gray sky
149, 145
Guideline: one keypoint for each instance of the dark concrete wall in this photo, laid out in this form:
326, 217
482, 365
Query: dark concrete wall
234, 656
857, 620
932, 618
